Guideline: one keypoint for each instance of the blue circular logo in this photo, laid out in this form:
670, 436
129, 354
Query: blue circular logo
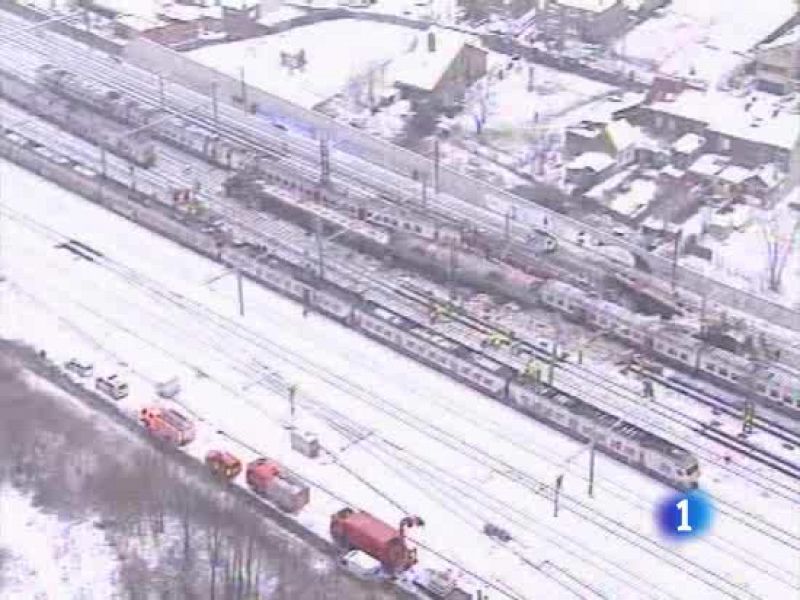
685, 516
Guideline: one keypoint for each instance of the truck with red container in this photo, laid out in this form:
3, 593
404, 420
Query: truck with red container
359, 530
223, 464
271, 480
167, 424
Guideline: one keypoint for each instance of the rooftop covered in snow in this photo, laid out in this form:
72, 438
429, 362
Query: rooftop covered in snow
433, 53
757, 117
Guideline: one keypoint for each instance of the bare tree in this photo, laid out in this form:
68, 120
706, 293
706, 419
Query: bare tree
780, 235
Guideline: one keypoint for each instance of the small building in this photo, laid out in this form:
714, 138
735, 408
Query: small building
777, 64
440, 68
593, 21
761, 185
588, 169
618, 139
754, 129
686, 150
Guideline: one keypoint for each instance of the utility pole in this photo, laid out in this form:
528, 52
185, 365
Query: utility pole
557, 493
240, 291
591, 469
215, 105
675, 252
243, 88
748, 417
424, 191
324, 161
451, 270
292, 392
102, 185
436, 165
320, 248
161, 94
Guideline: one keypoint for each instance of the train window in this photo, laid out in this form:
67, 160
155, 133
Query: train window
761, 388
723, 372
684, 356
616, 444
710, 367
787, 399
671, 352
630, 450
774, 393
734, 377
417, 228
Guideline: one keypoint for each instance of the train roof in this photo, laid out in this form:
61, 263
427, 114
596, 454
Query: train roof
621, 427
447, 344
304, 276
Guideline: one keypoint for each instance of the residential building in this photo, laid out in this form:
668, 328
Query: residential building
618, 139
440, 68
754, 129
594, 21
777, 63
588, 169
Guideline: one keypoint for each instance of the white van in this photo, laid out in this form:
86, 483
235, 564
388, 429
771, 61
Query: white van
111, 386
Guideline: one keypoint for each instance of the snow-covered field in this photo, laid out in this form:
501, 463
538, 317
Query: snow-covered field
425, 443
337, 52
706, 39
51, 558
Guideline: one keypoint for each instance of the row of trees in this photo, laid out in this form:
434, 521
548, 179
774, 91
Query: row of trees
176, 535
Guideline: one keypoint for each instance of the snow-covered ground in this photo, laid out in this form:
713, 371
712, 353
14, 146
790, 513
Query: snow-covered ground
48, 558
743, 258
429, 445
707, 39
508, 110
337, 52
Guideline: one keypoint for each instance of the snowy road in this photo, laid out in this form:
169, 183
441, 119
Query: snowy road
428, 444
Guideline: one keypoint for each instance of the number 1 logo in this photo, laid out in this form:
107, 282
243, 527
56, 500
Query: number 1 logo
683, 507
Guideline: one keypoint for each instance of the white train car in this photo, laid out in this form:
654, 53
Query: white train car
613, 435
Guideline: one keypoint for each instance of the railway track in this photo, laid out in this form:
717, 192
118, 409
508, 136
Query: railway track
264, 346
478, 325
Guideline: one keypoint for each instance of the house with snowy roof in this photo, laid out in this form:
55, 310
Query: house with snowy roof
594, 21
754, 129
777, 65
439, 68
618, 139
588, 169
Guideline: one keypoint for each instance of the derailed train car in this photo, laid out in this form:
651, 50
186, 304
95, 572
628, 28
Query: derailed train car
768, 383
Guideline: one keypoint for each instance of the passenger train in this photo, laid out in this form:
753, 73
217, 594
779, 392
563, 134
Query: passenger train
771, 385
614, 436
194, 139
